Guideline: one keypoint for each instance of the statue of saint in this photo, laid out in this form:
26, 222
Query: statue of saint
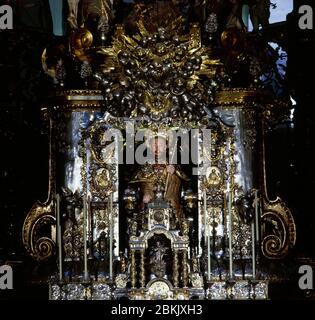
154, 178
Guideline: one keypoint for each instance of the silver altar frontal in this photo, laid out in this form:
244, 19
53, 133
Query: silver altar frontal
198, 228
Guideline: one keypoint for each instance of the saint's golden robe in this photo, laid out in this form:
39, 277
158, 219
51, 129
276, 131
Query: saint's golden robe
155, 178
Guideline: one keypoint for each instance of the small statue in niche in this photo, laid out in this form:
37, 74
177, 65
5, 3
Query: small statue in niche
134, 228
122, 262
195, 263
103, 246
185, 228
157, 260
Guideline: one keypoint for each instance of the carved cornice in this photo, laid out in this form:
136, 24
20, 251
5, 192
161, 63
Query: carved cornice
241, 97
76, 99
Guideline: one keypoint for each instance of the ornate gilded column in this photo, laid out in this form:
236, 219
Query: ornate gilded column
185, 269
133, 269
175, 269
142, 269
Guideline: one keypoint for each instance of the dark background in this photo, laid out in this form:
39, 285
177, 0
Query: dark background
24, 142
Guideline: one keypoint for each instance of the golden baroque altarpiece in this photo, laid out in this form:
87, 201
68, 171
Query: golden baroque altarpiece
159, 74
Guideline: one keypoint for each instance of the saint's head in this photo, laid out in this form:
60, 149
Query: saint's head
158, 145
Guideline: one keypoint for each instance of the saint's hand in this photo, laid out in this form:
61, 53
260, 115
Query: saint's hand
170, 169
146, 198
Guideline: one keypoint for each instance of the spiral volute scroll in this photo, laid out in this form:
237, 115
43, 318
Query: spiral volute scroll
38, 242
279, 231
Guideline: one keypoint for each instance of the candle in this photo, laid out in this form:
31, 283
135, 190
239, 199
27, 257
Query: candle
230, 234
90, 228
256, 216
207, 150
209, 257
85, 238
207, 237
111, 237
58, 230
89, 218
255, 239
210, 149
253, 250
